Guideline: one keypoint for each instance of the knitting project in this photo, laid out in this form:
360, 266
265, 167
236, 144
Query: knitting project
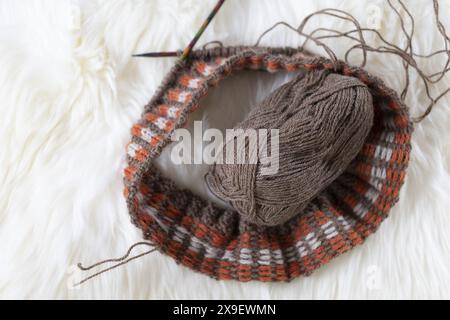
217, 242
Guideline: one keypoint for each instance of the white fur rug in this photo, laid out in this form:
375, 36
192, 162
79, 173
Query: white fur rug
69, 94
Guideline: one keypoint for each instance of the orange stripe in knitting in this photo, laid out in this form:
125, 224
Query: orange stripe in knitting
208, 265
224, 274
159, 197
307, 263
301, 231
244, 241
336, 241
136, 130
135, 203
255, 61
129, 172
392, 104
390, 191
163, 110
200, 67
348, 71
291, 67
244, 272
272, 66
156, 236
363, 169
173, 95
173, 248
144, 220
320, 217
280, 272
354, 237
322, 255
401, 121
310, 66
141, 154
189, 259
263, 243
361, 231
187, 222
201, 231
225, 265
185, 80
209, 261
151, 117
232, 245
144, 189
172, 211
402, 176
294, 269
217, 240
402, 138
265, 270
241, 63
397, 156
350, 201
156, 140
368, 150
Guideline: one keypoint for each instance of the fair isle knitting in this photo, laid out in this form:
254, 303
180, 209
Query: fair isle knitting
215, 241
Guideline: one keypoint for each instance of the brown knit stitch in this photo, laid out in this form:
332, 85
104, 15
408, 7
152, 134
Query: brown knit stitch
323, 120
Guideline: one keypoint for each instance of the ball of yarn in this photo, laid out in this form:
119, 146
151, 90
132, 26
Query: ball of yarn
323, 120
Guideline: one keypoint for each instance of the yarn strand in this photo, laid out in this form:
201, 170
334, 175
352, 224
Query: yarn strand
407, 54
122, 261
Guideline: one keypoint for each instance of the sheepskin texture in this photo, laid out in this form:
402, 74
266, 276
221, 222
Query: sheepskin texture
70, 92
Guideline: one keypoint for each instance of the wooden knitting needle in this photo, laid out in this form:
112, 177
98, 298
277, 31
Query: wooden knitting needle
191, 45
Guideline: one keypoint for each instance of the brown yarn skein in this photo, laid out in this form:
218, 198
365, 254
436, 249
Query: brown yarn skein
323, 120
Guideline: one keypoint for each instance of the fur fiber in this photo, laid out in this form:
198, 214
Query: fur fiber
70, 92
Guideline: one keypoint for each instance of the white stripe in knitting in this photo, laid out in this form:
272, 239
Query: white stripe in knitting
133, 148
147, 134
183, 96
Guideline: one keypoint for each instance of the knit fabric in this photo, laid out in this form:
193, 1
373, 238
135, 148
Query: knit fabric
323, 119
215, 241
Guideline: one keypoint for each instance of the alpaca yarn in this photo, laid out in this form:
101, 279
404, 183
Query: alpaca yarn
218, 242
323, 120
